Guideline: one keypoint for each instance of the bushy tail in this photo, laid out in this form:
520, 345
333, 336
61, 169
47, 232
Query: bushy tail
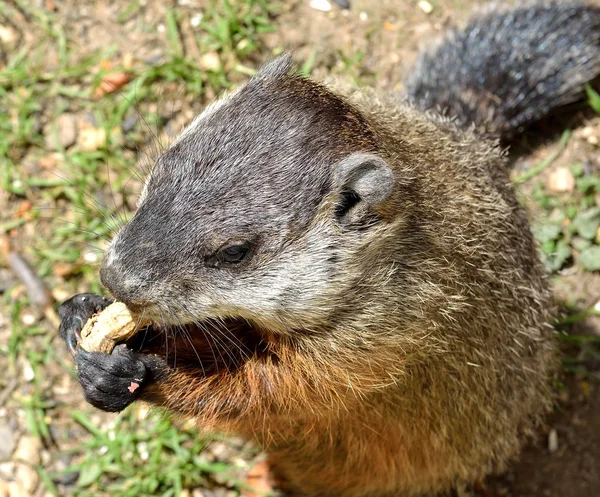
509, 68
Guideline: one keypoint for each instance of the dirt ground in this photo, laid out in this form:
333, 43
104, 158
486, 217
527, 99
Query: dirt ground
564, 459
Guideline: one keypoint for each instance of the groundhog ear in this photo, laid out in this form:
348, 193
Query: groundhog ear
362, 180
275, 68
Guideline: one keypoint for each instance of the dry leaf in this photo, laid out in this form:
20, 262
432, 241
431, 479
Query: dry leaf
112, 82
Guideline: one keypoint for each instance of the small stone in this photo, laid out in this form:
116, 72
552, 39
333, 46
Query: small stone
425, 7
219, 450
7, 34
91, 139
363, 16
196, 20
590, 134
322, 5
552, 441
127, 60
60, 294
17, 490
28, 319
561, 180
7, 470
66, 125
28, 372
210, 61
587, 132
7, 436
129, 122
62, 133
343, 4
91, 257
27, 478
28, 449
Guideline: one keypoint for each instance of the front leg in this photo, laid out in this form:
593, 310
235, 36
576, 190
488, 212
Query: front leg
110, 381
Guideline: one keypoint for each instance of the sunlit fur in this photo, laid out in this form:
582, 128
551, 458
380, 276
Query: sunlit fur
405, 352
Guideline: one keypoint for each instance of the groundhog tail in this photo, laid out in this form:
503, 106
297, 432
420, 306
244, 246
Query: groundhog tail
508, 68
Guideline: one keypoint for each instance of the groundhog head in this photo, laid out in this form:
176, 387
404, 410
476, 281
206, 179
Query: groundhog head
259, 210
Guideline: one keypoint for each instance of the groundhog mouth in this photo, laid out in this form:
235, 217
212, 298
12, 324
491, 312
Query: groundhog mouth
210, 346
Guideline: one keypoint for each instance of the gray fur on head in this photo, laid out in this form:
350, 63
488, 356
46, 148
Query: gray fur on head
257, 168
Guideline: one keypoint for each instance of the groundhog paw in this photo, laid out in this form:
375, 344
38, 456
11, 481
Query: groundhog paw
74, 313
110, 381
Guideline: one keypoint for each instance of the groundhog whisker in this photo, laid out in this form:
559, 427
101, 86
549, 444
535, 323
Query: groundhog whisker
96, 205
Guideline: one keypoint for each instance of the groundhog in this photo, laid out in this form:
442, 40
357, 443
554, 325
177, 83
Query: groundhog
349, 281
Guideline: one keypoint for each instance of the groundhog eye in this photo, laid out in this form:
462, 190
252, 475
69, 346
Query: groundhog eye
234, 253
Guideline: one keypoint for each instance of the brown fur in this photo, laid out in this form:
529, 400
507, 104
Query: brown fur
430, 369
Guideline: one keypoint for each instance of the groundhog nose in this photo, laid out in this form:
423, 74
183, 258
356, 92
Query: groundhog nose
124, 287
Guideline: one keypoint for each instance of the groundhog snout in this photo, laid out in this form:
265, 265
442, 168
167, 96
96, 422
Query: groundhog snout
124, 286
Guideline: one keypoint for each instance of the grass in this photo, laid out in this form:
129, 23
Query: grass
63, 205
134, 459
567, 225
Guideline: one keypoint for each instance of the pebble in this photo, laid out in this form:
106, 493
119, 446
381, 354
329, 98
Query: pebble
7, 35
7, 279
62, 132
67, 129
91, 256
91, 139
363, 16
588, 131
60, 294
219, 450
7, 441
343, 4
28, 319
28, 372
210, 61
196, 20
561, 180
17, 490
322, 5
425, 7
552, 441
28, 450
7, 470
129, 122
590, 134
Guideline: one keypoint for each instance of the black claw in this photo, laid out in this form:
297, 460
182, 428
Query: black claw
71, 339
74, 313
